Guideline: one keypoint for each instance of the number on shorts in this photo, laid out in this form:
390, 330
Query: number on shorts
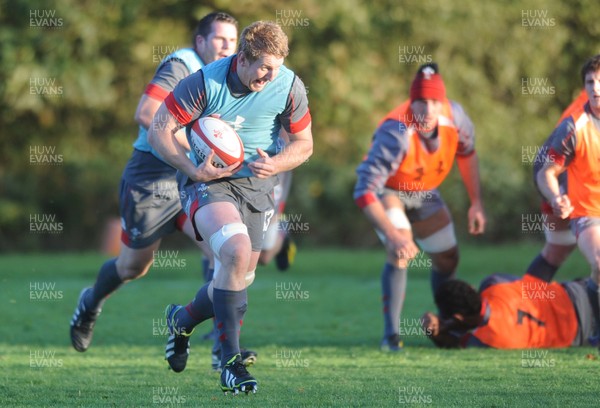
268, 215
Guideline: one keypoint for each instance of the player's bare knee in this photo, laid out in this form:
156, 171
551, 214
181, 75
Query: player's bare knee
235, 256
447, 261
556, 254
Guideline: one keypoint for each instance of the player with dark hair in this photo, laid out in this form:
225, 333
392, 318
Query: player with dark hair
510, 312
575, 150
231, 207
412, 152
149, 199
560, 241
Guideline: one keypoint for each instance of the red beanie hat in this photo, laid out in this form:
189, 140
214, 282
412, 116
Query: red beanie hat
428, 84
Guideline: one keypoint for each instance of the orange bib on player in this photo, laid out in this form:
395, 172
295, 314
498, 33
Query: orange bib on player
583, 172
528, 313
421, 169
574, 106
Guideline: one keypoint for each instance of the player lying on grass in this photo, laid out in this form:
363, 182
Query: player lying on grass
511, 312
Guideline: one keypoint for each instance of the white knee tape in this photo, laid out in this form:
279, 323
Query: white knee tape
398, 218
221, 236
439, 241
250, 277
563, 237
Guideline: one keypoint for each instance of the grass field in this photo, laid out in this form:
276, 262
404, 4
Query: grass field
316, 329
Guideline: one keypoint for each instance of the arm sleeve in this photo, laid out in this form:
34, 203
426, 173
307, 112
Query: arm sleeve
562, 143
188, 100
495, 279
296, 116
466, 130
166, 78
469, 340
387, 151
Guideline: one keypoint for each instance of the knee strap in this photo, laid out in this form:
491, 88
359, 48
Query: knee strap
560, 237
440, 241
250, 278
221, 236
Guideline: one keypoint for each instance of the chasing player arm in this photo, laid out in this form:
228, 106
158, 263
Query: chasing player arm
185, 104
468, 166
146, 109
163, 82
561, 153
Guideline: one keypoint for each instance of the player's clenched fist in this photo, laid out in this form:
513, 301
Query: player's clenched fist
561, 206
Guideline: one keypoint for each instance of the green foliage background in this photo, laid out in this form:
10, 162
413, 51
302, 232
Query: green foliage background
348, 53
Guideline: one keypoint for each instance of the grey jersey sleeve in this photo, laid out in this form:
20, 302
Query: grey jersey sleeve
465, 128
562, 142
169, 74
296, 115
188, 100
388, 148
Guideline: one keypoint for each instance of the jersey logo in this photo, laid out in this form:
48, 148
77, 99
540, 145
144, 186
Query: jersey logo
420, 173
440, 168
237, 124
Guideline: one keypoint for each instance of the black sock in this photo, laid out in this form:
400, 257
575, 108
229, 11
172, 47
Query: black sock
540, 268
592, 291
216, 345
107, 282
230, 307
197, 311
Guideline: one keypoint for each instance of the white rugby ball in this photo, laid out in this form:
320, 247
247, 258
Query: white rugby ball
211, 133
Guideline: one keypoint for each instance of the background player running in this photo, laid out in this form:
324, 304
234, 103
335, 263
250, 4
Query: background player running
575, 150
560, 241
149, 199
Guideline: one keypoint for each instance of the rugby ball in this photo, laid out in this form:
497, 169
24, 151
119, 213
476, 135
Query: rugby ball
211, 133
